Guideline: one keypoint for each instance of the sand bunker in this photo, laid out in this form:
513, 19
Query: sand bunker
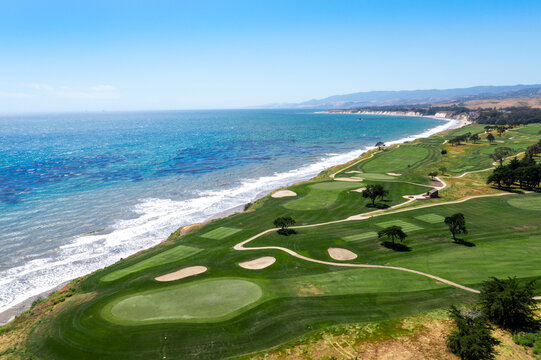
353, 178
360, 189
341, 254
181, 274
259, 263
283, 193
394, 174
354, 172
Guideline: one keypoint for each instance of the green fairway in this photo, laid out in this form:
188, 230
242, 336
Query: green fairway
321, 195
431, 218
361, 236
203, 301
395, 160
376, 176
220, 233
175, 254
406, 226
533, 203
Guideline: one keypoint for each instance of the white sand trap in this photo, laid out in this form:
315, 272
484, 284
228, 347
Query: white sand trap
353, 178
354, 172
360, 189
283, 193
394, 174
341, 254
182, 273
259, 263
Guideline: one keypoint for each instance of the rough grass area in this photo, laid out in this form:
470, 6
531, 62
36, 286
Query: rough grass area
220, 233
172, 255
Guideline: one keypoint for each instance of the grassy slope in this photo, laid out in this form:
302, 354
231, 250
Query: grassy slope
298, 296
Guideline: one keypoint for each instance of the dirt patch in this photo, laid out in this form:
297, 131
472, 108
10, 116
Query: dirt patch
353, 178
394, 174
259, 263
360, 189
525, 227
182, 273
283, 193
309, 290
341, 254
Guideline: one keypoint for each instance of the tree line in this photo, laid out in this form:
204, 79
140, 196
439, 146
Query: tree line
524, 172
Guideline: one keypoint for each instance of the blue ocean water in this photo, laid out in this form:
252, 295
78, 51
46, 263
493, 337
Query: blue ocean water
80, 191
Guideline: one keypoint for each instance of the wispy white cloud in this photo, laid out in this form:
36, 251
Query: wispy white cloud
40, 86
13, 95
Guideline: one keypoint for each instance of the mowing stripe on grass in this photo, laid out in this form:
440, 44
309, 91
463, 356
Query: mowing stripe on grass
362, 236
406, 226
220, 233
177, 253
431, 218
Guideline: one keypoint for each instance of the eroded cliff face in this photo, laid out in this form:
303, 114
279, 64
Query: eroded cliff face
441, 114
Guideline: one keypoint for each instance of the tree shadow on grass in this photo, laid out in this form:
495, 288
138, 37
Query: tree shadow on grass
395, 246
286, 232
464, 242
377, 206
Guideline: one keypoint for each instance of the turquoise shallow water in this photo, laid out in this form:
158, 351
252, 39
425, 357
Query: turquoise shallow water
80, 191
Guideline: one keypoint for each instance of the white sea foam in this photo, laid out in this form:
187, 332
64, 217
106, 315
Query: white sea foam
154, 219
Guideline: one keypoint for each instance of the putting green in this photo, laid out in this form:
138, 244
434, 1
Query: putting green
321, 195
362, 236
406, 226
529, 203
431, 218
175, 254
220, 233
205, 301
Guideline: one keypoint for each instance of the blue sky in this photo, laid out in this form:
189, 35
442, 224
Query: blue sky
135, 55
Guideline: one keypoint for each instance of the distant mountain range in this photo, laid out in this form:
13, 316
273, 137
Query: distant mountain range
411, 97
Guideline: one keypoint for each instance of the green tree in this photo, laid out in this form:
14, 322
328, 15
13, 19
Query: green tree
472, 338
500, 154
372, 192
433, 174
284, 222
380, 144
393, 232
509, 304
490, 138
456, 224
442, 170
474, 138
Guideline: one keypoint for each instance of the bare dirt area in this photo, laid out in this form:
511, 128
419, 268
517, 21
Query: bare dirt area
182, 273
283, 193
341, 254
360, 189
259, 263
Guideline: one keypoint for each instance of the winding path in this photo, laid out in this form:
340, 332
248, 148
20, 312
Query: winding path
240, 246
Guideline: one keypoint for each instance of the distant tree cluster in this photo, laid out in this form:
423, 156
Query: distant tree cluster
457, 140
525, 172
509, 116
